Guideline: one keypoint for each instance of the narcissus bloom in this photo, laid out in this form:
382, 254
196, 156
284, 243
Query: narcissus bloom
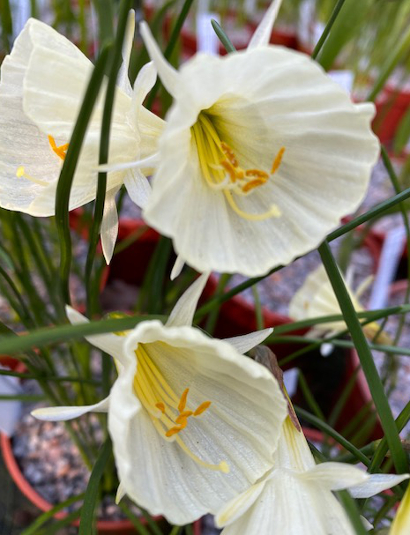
261, 156
43, 82
193, 421
316, 298
296, 496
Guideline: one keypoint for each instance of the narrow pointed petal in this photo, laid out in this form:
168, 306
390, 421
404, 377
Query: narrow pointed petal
248, 341
335, 476
184, 310
169, 76
138, 187
109, 225
109, 342
61, 414
120, 493
375, 484
239, 505
137, 164
178, 266
144, 83
262, 34
123, 80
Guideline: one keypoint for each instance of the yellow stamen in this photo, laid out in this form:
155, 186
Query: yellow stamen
168, 413
222, 466
202, 408
273, 212
221, 170
277, 161
21, 173
182, 403
61, 150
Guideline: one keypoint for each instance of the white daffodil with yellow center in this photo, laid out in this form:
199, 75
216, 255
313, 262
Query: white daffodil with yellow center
43, 82
193, 421
316, 298
296, 498
261, 156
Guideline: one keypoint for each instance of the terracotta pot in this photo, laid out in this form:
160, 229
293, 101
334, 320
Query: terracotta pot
390, 109
116, 527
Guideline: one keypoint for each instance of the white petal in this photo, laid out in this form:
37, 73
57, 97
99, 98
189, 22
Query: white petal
68, 413
335, 476
262, 34
240, 427
138, 187
144, 82
184, 310
244, 343
109, 225
109, 342
137, 164
178, 267
169, 76
375, 484
238, 506
123, 80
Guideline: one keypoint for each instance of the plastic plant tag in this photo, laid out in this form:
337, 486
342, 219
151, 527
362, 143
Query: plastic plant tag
9, 410
207, 40
389, 259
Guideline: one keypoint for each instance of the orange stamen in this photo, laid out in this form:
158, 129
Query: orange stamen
253, 184
61, 150
277, 161
182, 402
202, 408
161, 407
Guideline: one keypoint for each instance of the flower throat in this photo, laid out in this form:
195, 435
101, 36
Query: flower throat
221, 169
169, 413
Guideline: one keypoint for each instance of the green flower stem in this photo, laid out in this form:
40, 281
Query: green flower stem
327, 29
323, 426
383, 447
92, 286
366, 359
67, 172
16, 344
213, 315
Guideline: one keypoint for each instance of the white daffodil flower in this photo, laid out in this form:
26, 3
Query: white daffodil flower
316, 298
193, 421
296, 497
261, 156
43, 82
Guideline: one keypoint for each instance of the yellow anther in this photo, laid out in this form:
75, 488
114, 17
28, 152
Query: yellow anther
61, 150
202, 408
161, 407
229, 153
182, 403
21, 173
185, 414
173, 431
277, 161
256, 173
230, 169
253, 184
